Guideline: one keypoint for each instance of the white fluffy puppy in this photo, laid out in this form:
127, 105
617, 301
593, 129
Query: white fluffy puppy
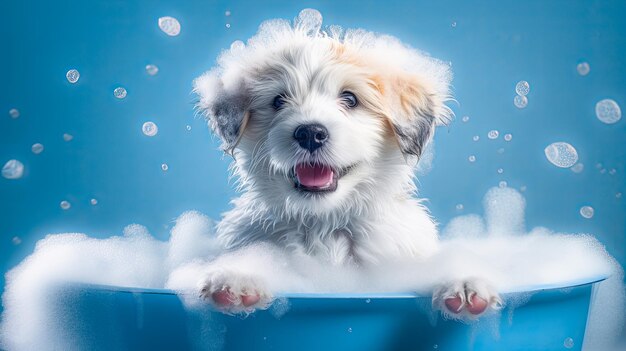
325, 128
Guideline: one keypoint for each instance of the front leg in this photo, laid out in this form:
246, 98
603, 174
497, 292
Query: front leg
466, 299
234, 291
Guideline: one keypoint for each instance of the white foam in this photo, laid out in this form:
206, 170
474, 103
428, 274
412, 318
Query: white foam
496, 247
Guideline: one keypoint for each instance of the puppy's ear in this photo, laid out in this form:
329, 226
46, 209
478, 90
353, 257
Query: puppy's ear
225, 104
414, 108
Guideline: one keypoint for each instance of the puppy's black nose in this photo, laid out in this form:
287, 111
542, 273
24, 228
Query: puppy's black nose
311, 136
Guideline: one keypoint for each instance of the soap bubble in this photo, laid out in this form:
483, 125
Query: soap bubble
459, 207
152, 69
522, 88
520, 101
465, 118
587, 211
577, 168
150, 129
493, 134
37, 148
237, 45
14, 113
72, 76
67, 137
583, 68
608, 111
119, 92
508, 137
309, 21
13, 169
164, 167
475, 138
472, 158
568, 343
16, 240
65, 205
561, 154
93, 202
169, 25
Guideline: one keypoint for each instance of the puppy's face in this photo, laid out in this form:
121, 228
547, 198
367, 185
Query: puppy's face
318, 126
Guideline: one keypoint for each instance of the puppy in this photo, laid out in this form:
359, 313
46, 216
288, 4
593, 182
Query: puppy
325, 128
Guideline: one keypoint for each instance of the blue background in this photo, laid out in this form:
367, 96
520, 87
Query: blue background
493, 45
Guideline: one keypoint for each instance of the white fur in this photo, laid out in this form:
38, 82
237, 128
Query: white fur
373, 216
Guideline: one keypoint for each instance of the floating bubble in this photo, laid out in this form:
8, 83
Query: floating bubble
465, 118
608, 111
237, 45
169, 25
561, 154
522, 88
587, 211
188, 127
583, 68
93, 202
603, 171
508, 137
227, 13
522, 188
14, 113
520, 101
16, 240
368, 300
164, 167
577, 168
150, 129
13, 169
72, 76
493, 134
152, 69
119, 92
37, 148
309, 21
500, 170
502, 184
67, 137
471, 158
475, 138
459, 207
453, 24
568, 343
435, 346
598, 165
349, 330
65, 205
227, 25
612, 171
618, 195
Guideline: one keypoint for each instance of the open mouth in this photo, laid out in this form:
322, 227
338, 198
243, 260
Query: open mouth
316, 178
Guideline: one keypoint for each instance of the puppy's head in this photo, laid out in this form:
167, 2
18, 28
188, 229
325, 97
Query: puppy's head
323, 121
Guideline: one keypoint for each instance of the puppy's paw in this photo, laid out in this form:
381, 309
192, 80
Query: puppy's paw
466, 300
233, 292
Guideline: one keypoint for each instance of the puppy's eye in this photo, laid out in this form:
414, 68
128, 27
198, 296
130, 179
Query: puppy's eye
348, 99
278, 102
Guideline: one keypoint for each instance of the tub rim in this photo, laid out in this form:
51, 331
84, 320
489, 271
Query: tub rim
372, 295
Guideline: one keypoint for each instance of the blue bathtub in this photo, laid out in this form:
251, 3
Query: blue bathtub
115, 318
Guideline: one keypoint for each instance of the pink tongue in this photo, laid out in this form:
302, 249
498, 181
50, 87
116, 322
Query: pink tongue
314, 176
